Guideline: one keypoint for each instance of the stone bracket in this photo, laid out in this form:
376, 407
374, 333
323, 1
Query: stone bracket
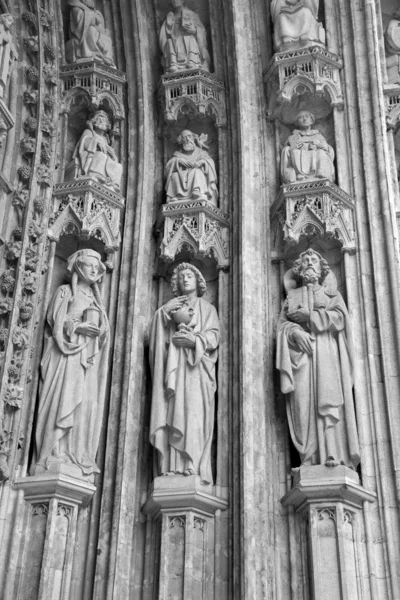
312, 70
193, 94
66, 489
198, 226
87, 209
314, 207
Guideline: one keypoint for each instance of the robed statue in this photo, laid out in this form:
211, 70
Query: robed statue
306, 154
191, 172
296, 24
94, 156
183, 40
183, 352
315, 360
392, 42
8, 52
73, 370
88, 36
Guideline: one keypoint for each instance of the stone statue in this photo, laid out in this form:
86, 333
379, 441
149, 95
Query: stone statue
295, 24
314, 356
88, 36
392, 39
306, 154
191, 173
183, 351
183, 40
94, 157
73, 370
8, 52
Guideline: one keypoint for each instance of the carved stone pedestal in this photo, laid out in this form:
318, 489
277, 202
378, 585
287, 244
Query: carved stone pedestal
54, 499
392, 97
198, 226
330, 502
314, 207
187, 510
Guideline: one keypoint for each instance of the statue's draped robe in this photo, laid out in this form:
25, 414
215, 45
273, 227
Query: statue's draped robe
297, 23
83, 31
73, 375
392, 42
184, 183
320, 404
180, 49
90, 159
184, 385
307, 162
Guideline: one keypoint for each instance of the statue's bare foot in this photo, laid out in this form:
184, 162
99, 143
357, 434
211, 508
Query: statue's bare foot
189, 472
331, 462
168, 474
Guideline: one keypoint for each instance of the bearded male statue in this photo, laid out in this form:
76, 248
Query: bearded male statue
191, 173
315, 360
184, 342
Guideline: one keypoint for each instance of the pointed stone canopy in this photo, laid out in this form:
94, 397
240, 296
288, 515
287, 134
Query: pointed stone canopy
315, 207
198, 226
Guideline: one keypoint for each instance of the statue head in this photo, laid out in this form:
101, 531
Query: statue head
177, 281
8, 20
304, 119
177, 3
85, 265
187, 140
100, 120
310, 267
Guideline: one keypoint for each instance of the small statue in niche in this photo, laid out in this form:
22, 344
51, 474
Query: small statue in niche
183, 40
191, 173
296, 25
184, 340
94, 157
8, 52
392, 39
88, 36
73, 370
314, 356
306, 154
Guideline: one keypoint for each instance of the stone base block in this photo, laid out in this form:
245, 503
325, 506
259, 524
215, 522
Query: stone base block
60, 485
177, 493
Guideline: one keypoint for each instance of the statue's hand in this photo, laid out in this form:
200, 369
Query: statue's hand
300, 315
175, 304
184, 339
189, 29
303, 340
88, 328
111, 152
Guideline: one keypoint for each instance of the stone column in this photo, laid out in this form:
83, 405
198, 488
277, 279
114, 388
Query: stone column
54, 500
187, 510
330, 501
